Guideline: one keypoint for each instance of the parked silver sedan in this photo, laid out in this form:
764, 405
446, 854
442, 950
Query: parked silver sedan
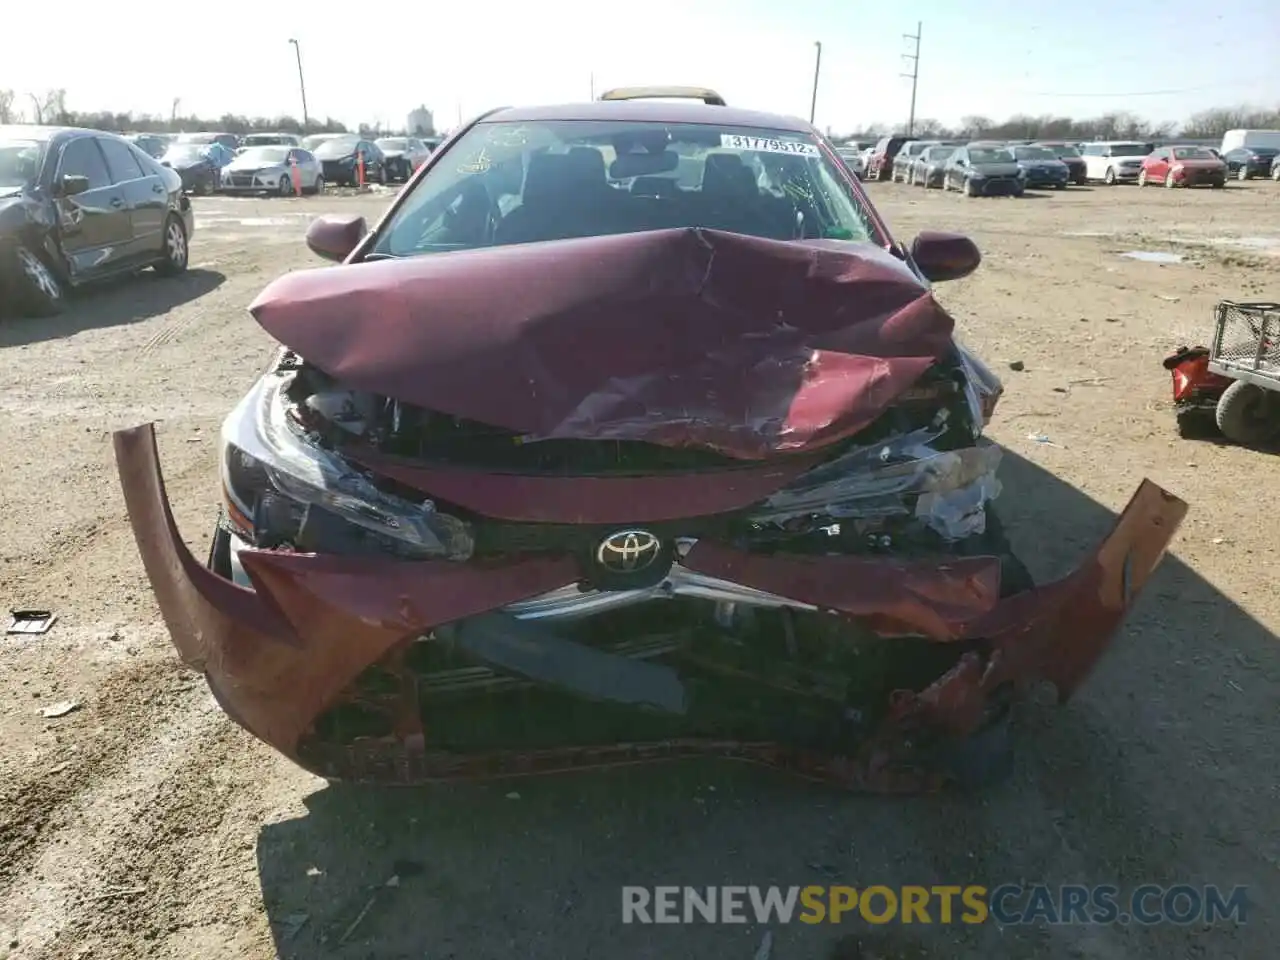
276, 169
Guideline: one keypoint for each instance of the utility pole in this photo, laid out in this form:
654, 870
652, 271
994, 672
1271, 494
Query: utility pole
914, 74
302, 84
173, 111
817, 69
593, 86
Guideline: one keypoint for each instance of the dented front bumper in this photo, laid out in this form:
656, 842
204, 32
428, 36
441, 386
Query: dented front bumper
277, 657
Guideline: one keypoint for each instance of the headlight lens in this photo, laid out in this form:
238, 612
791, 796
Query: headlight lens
284, 489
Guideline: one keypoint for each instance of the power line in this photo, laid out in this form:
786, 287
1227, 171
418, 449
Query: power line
914, 74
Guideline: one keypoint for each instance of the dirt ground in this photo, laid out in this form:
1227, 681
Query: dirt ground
144, 824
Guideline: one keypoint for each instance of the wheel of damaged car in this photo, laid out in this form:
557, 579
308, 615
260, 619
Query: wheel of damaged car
286, 186
970, 190
1110, 178
40, 291
1243, 172
1142, 178
173, 257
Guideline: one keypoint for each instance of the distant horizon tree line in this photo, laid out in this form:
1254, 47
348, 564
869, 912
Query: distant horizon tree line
51, 108
1118, 125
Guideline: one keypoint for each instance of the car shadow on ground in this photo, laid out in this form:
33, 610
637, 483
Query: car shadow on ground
111, 303
1160, 770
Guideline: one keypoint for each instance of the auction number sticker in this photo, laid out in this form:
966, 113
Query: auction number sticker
734, 141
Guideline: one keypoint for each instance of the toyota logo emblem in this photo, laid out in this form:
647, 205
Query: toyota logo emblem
628, 551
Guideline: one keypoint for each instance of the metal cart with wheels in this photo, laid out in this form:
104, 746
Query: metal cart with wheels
1246, 348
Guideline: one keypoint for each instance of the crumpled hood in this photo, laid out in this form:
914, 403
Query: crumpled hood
691, 337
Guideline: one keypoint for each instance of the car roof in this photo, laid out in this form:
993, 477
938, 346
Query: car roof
651, 111
23, 131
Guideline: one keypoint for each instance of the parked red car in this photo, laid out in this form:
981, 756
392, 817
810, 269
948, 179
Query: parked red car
1182, 167
880, 166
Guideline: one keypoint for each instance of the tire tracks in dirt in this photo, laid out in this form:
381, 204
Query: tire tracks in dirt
62, 824
35, 807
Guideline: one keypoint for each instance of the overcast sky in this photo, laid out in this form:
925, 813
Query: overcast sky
1163, 60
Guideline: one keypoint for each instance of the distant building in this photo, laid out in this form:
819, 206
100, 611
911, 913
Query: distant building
421, 123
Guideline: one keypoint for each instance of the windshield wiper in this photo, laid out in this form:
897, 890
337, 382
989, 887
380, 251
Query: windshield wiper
370, 257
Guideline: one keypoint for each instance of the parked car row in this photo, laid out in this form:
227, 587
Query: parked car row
211, 162
1013, 166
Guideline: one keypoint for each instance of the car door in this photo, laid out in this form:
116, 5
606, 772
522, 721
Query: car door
372, 160
954, 173
144, 196
1165, 158
94, 227
1091, 153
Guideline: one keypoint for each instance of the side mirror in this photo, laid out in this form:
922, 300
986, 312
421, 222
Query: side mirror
334, 237
945, 256
70, 185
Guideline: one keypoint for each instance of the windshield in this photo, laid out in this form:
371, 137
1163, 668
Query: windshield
523, 182
197, 138
1062, 150
264, 140
938, 153
336, 147
1034, 153
393, 143
1193, 153
264, 155
186, 152
313, 141
1128, 150
990, 155
19, 162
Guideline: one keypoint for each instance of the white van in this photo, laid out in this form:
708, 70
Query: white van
1250, 138
1114, 161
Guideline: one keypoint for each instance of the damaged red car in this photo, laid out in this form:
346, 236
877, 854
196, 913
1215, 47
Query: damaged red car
628, 433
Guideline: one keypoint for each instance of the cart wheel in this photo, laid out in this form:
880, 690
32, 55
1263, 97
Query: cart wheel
1248, 414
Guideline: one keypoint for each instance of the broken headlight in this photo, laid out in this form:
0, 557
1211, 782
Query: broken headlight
282, 489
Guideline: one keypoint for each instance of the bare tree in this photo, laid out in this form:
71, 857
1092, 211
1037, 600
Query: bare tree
50, 108
7, 112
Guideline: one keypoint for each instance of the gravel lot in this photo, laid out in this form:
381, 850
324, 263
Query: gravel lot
144, 824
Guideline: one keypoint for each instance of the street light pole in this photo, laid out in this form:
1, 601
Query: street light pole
302, 85
817, 68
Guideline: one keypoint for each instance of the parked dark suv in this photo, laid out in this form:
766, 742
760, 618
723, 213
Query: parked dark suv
76, 205
881, 163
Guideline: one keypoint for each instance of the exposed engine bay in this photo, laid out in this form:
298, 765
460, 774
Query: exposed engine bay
915, 484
